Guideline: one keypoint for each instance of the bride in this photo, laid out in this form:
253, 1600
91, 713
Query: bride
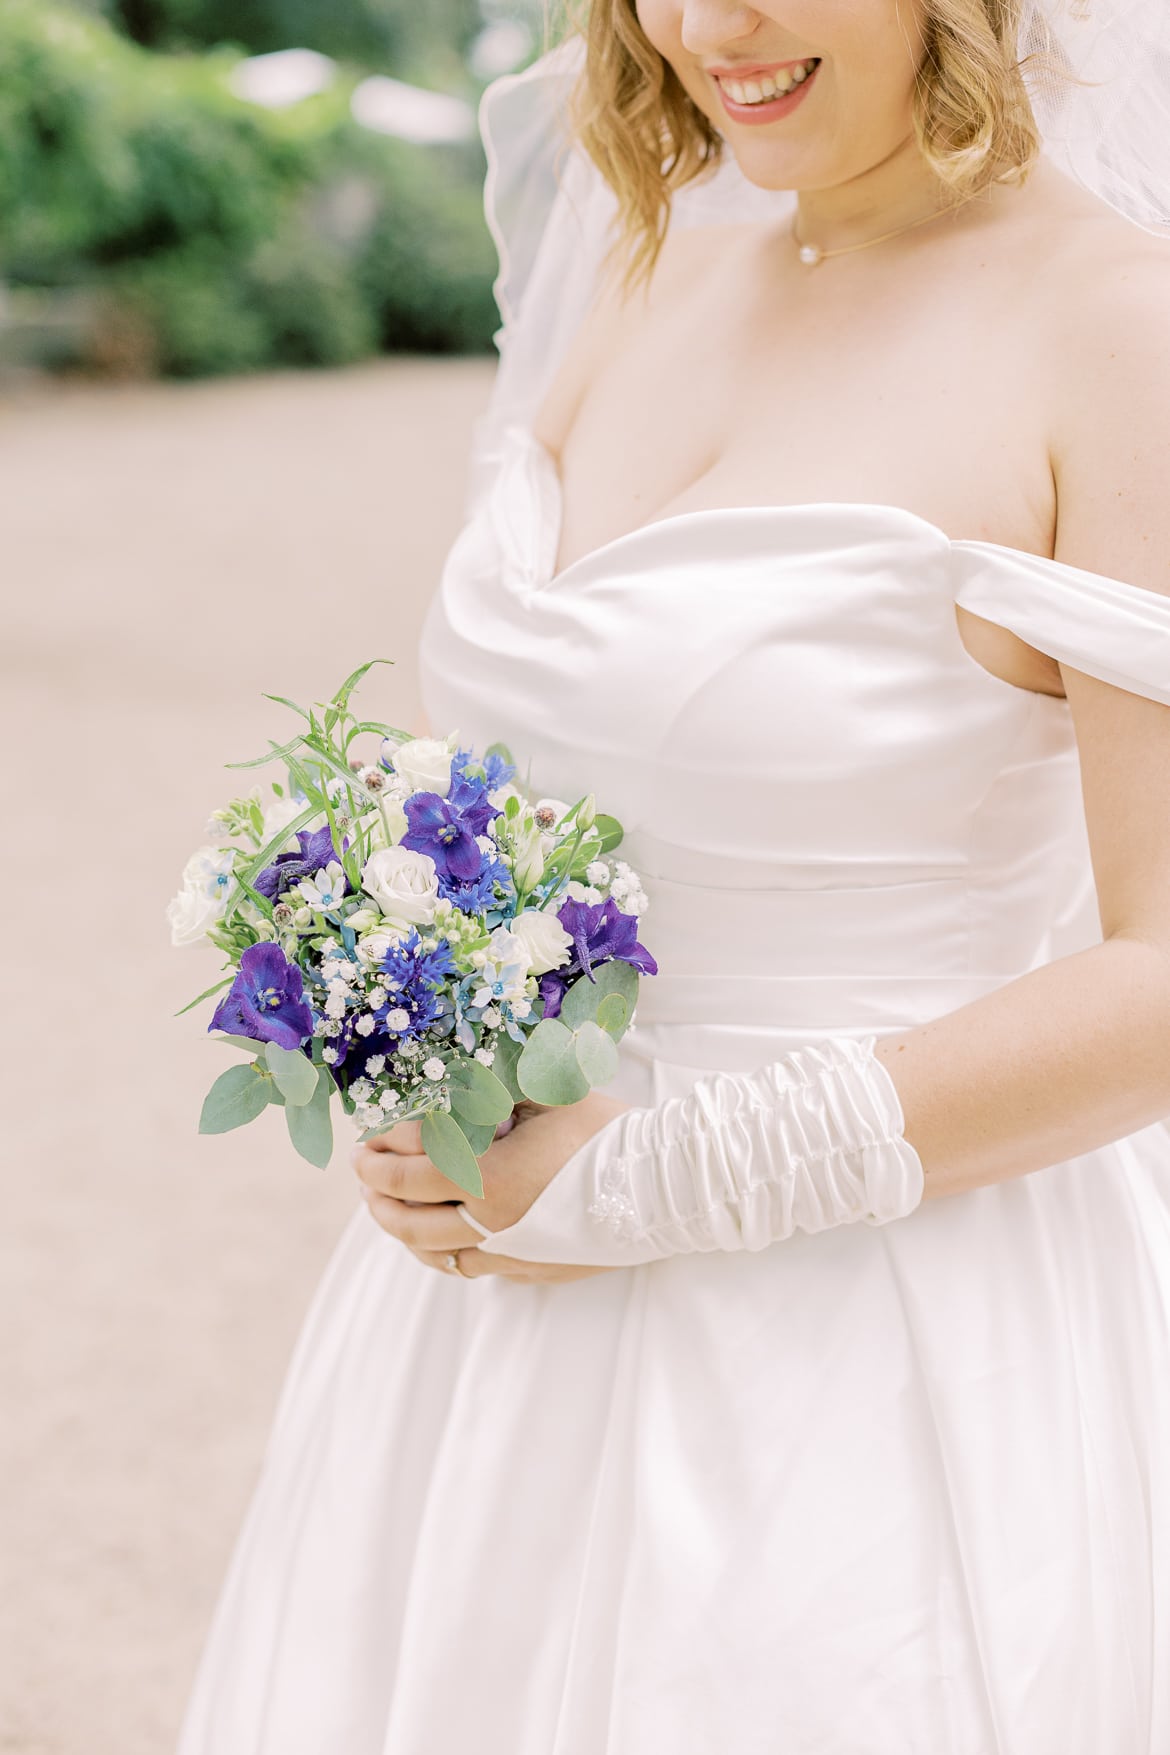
807, 1389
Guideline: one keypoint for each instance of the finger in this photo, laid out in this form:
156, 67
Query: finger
404, 1136
436, 1227
407, 1176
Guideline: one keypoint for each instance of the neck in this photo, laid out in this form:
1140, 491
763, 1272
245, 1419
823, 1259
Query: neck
895, 192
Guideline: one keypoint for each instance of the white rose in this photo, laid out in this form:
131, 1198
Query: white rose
373, 947
545, 942
503, 793
277, 813
403, 883
190, 914
425, 764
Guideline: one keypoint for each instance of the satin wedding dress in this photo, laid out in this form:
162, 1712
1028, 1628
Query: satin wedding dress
897, 1490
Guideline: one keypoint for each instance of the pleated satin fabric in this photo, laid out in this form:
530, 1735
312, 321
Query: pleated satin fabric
896, 1489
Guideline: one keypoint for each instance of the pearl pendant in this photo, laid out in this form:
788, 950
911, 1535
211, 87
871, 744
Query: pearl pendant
811, 254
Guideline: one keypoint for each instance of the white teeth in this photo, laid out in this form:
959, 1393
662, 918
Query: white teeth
768, 85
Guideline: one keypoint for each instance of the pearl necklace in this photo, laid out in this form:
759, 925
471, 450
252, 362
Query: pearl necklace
811, 254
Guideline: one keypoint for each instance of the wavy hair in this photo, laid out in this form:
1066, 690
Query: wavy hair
972, 115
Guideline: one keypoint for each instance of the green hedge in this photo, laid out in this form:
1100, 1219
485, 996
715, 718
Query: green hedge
218, 236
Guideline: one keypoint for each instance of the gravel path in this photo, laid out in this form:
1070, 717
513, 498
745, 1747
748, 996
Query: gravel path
169, 553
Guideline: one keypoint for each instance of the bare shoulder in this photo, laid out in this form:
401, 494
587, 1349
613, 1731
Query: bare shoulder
1103, 312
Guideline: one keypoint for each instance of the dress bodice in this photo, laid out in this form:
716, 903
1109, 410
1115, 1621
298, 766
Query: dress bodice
829, 799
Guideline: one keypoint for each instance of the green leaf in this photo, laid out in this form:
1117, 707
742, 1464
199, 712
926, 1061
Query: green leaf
246, 1042
283, 701
449, 1150
597, 1054
507, 1053
477, 1095
310, 1126
613, 1014
191, 1004
479, 1138
294, 1073
611, 833
341, 698
275, 752
237, 1097
271, 848
584, 998
500, 749
548, 1070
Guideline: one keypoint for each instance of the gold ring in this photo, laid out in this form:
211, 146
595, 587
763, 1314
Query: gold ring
451, 1263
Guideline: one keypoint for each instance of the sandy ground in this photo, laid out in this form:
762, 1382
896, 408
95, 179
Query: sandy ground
168, 553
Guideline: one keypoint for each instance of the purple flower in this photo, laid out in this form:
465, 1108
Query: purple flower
446, 828
601, 933
477, 895
412, 978
264, 1001
316, 851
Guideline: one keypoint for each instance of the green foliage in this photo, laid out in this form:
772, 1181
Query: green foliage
449, 1150
310, 1125
220, 237
237, 1097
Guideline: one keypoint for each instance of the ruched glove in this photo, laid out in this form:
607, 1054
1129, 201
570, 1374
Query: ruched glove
812, 1140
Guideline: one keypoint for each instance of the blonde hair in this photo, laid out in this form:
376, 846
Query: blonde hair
972, 115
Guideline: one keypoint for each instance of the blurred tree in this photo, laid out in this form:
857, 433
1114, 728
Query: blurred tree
424, 40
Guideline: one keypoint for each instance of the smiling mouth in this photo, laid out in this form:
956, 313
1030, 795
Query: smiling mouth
765, 88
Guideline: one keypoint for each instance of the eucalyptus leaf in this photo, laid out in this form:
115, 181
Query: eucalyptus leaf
478, 1095
597, 1054
237, 1097
583, 999
507, 1053
449, 1150
310, 1125
613, 1014
479, 1135
548, 1070
610, 830
294, 1073
248, 1043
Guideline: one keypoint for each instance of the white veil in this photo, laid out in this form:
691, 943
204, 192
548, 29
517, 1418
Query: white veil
550, 211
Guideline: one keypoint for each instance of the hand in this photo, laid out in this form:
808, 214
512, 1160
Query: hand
416, 1203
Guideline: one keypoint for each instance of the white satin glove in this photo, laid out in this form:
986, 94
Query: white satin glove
812, 1140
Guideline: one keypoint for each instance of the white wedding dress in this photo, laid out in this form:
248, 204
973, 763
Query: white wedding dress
896, 1490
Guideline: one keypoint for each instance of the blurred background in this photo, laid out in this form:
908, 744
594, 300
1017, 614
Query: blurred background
245, 329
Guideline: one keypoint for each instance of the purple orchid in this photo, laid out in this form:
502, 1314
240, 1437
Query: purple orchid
288, 869
446, 828
265, 1002
601, 933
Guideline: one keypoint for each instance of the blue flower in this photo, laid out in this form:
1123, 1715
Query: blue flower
446, 828
288, 869
478, 895
265, 1001
496, 772
601, 933
413, 979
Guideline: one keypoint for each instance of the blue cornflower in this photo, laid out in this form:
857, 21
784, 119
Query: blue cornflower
265, 1002
478, 895
496, 771
412, 978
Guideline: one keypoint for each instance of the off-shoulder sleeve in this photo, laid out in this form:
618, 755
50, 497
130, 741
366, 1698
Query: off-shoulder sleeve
1112, 630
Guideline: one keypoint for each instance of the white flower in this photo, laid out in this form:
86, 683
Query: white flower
434, 1068
335, 1005
365, 1025
504, 971
543, 939
376, 996
485, 1056
583, 892
375, 1064
361, 1090
389, 1099
362, 919
425, 764
329, 1056
403, 883
399, 1019
503, 793
189, 915
626, 889
277, 813
202, 899
374, 946
492, 1016
324, 890
367, 1116
597, 871
486, 845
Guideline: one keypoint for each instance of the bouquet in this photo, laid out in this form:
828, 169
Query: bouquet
412, 934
